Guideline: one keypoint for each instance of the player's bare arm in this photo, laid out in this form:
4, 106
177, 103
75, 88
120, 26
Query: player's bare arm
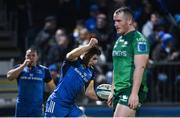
14, 73
51, 85
77, 52
90, 92
140, 62
109, 101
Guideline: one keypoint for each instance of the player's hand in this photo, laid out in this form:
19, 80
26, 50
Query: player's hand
133, 101
26, 62
109, 101
93, 42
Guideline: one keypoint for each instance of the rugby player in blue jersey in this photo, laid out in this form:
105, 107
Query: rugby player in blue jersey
77, 73
30, 79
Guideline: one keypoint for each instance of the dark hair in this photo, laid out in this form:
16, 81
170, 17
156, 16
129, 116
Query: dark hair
33, 49
92, 35
90, 53
126, 11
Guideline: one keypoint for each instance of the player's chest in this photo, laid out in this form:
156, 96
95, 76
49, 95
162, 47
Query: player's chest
33, 75
122, 48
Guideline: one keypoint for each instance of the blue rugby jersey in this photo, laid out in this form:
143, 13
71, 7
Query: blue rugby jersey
31, 87
74, 77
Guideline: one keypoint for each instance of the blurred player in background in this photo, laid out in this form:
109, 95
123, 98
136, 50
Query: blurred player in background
30, 79
130, 56
54, 71
77, 73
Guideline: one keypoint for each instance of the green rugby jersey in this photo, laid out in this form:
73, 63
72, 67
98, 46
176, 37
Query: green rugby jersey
133, 43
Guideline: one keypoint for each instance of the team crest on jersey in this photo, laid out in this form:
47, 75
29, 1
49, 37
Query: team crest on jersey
39, 71
125, 44
142, 46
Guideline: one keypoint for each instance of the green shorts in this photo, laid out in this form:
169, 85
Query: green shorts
122, 97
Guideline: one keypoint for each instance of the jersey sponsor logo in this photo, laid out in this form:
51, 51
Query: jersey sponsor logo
142, 46
31, 78
82, 75
141, 39
119, 53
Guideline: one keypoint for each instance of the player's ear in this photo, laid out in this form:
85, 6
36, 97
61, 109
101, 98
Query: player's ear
130, 20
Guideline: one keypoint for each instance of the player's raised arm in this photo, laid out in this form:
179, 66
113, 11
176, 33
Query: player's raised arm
77, 52
14, 73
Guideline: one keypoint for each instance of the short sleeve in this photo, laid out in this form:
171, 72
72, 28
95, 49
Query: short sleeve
94, 73
66, 65
47, 76
140, 45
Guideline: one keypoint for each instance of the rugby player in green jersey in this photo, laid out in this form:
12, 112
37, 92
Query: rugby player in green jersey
130, 56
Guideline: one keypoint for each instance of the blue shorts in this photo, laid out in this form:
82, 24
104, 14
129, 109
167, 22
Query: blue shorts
24, 110
56, 109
